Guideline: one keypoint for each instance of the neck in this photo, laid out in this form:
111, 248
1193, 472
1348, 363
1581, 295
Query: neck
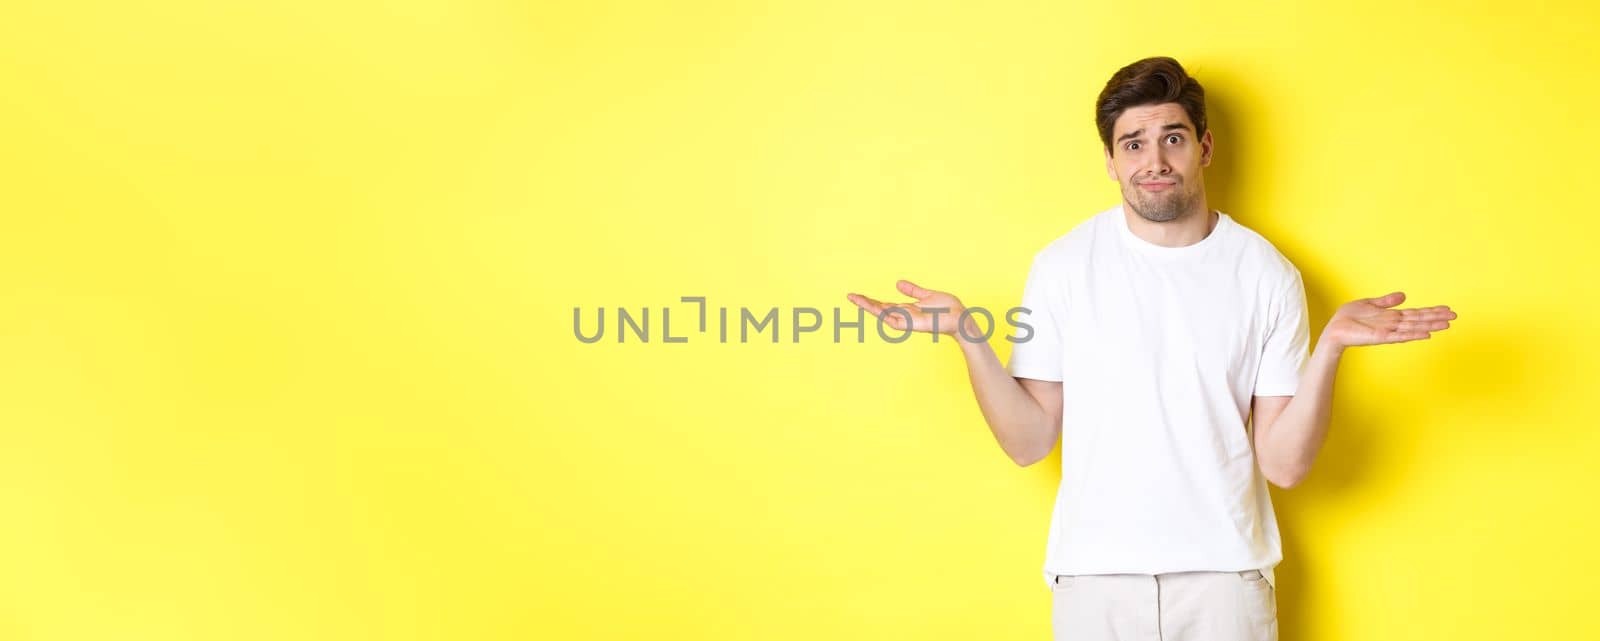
1190, 228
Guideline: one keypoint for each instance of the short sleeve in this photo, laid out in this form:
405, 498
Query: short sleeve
1036, 354
1284, 354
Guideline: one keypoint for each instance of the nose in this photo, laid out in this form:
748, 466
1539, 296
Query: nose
1161, 169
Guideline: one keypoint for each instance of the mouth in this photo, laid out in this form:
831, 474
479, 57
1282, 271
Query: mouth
1156, 186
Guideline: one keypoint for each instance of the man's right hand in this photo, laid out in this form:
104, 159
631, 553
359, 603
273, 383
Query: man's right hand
933, 310
1023, 414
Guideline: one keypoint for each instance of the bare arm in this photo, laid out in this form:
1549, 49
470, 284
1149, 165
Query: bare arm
1023, 414
1290, 430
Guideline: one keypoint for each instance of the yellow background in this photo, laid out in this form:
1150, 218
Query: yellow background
286, 297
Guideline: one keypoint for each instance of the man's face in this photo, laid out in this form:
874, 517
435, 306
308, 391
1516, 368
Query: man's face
1156, 158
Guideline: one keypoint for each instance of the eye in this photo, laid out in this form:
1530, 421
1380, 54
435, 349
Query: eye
1180, 138
1132, 146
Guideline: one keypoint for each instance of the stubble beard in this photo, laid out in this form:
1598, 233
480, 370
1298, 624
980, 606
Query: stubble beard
1161, 206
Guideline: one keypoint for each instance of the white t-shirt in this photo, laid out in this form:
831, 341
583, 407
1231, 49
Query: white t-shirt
1159, 351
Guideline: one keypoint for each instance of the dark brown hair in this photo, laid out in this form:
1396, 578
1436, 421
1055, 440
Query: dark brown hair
1151, 81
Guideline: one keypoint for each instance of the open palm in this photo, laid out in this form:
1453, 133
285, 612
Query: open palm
1370, 321
948, 306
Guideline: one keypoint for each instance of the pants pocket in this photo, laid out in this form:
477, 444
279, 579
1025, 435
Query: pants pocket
1261, 604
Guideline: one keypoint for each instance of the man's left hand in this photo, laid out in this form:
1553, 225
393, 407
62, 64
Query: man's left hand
1370, 321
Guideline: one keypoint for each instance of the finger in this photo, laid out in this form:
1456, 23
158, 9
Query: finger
911, 289
1388, 300
859, 301
1421, 326
898, 320
1402, 337
1437, 312
873, 307
907, 310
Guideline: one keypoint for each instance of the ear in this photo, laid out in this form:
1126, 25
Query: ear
1111, 170
1205, 149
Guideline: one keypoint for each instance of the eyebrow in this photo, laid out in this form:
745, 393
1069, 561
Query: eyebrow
1135, 133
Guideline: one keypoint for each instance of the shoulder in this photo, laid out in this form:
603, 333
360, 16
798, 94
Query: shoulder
1073, 245
1264, 257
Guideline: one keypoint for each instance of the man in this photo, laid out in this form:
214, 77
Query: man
1159, 327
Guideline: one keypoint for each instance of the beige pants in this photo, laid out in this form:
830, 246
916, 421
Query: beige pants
1181, 606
